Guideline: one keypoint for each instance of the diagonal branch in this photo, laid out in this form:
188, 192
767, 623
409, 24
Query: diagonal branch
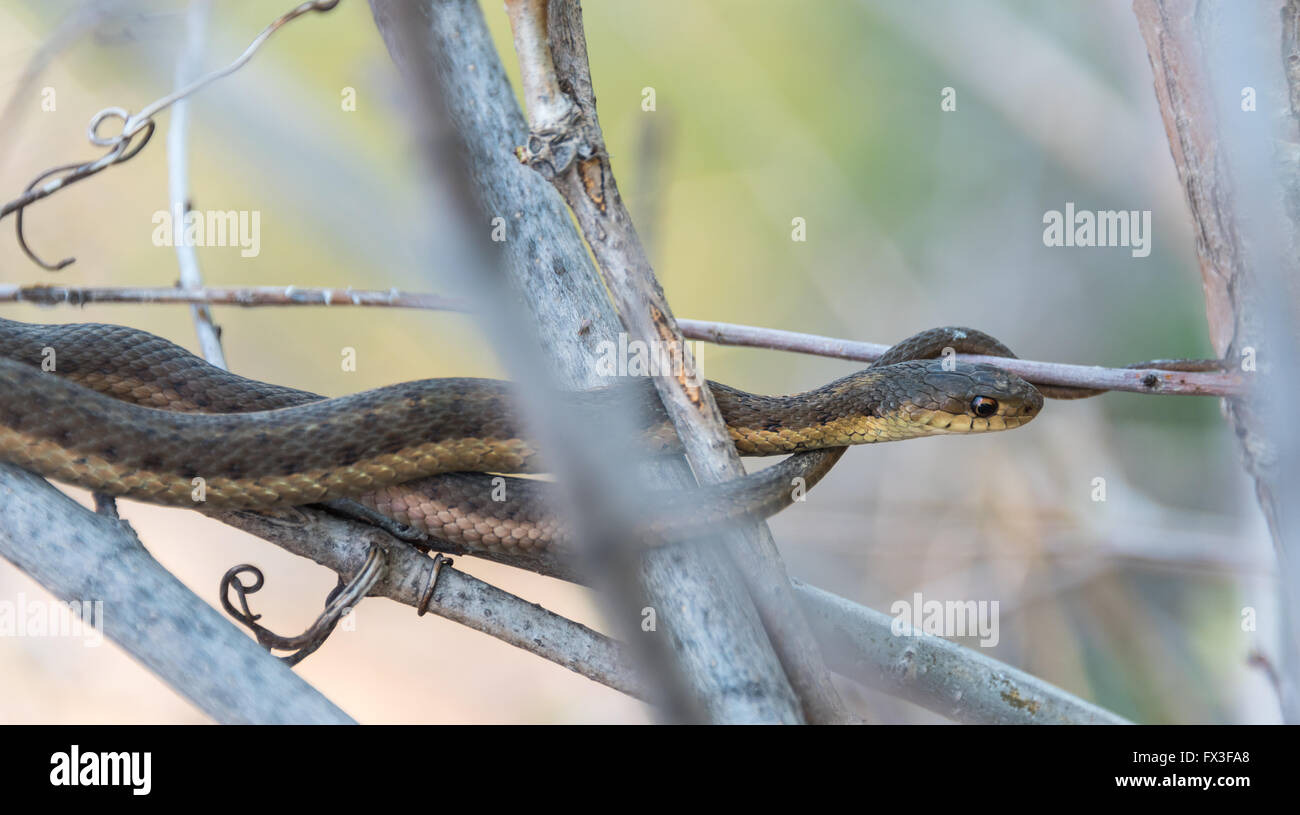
566, 145
342, 545
81, 556
956, 682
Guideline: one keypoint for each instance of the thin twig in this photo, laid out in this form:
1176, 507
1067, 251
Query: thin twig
178, 179
232, 296
1132, 380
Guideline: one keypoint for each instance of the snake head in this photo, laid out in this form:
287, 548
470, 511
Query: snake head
970, 398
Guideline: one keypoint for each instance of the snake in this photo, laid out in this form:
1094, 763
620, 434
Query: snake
126, 413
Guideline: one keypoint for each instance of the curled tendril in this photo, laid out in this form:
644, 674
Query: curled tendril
344, 597
136, 131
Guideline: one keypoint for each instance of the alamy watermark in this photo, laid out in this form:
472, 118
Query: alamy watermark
90, 768
683, 360
1083, 227
78, 619
950, 618
213, 227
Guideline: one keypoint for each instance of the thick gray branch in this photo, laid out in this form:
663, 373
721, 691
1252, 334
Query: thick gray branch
81, 556
956, 682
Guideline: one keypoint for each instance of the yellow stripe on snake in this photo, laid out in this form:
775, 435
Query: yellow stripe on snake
129, 414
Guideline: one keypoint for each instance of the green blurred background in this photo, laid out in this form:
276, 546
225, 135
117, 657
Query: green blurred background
765, 111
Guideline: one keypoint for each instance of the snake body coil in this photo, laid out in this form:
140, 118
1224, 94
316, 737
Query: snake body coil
126, 413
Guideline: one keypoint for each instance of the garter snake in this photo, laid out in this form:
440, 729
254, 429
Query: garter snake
126, 413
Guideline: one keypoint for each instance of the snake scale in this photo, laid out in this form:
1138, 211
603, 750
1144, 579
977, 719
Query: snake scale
126, 413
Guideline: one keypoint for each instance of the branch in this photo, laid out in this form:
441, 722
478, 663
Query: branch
957, 682
81, 556
178, 178
928, 670
1152, 381
342, 545
237, 296
1133, 380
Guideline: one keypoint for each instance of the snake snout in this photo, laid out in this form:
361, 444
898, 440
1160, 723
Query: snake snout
977, 399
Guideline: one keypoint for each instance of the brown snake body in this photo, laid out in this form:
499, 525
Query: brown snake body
127, 413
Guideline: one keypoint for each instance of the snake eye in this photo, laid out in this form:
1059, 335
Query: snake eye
983, 406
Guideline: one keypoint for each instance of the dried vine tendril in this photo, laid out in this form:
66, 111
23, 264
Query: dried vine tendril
136, 131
